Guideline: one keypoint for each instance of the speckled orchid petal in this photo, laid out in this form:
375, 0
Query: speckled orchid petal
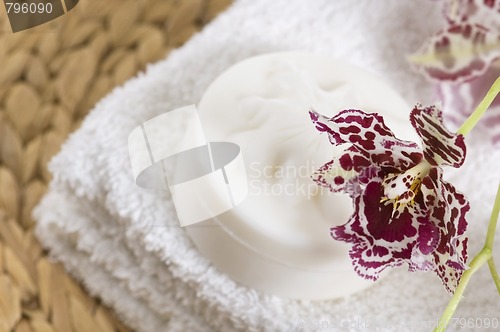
458, 53
341, 173
427, 241
447, 210
483, 12
369, 134
441, 146
382, 237
467, 47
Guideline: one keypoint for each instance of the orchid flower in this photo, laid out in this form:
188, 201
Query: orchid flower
467, 47
464, 58
404, 212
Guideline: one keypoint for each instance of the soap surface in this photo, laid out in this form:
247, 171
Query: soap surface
278, 240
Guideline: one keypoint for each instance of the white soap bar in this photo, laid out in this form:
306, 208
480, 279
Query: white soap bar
278, 239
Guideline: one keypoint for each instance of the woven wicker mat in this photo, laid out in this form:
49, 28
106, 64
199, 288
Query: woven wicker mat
50, 76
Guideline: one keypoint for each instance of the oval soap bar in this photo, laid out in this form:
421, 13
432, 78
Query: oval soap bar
278, 239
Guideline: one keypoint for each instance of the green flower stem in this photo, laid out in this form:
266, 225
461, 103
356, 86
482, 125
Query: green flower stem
492, 226
490, 237
485, 255
480, 109
478, 261
494, 273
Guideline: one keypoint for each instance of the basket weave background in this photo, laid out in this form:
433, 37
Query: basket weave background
50, 77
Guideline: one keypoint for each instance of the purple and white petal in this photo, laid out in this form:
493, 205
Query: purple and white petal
484, 12
369, 134
341, 174
447, 210
441, 146
422, 258
382, 237
428, 236
459, 53
369, 262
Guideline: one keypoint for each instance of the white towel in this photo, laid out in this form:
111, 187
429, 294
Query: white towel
124, 243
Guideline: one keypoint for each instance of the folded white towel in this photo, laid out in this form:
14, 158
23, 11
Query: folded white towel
124, 242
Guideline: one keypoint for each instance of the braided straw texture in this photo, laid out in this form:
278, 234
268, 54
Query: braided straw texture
50, 77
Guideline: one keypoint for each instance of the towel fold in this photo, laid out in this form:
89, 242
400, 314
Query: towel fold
125, 244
